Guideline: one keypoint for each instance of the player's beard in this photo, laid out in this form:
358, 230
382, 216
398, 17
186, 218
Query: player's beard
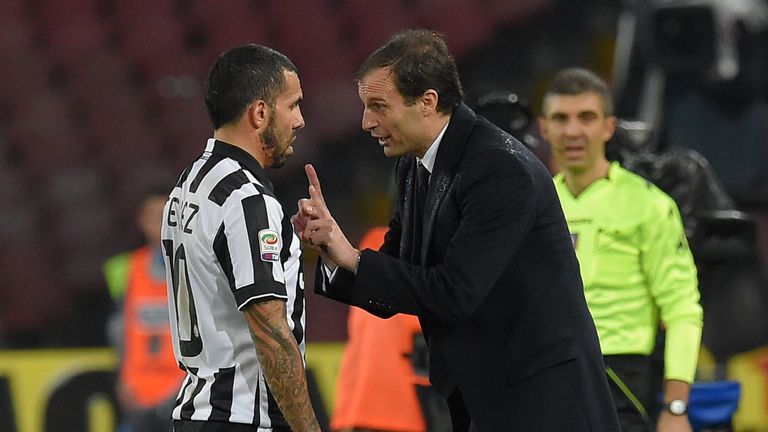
276, 145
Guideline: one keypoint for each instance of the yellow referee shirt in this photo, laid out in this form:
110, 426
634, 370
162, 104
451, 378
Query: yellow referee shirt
637, 268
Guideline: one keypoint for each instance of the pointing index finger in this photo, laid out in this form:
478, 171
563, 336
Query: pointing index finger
314, 182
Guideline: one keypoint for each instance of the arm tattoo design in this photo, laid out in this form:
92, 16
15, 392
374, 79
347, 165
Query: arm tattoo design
281, 361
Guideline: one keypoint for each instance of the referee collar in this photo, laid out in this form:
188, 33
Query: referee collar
219, 147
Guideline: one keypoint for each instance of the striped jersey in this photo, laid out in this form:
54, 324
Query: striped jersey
227, 244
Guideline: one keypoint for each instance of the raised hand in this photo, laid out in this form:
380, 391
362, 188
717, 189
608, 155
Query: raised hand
317, 228
310, 208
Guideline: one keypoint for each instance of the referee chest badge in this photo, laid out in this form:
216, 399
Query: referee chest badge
575, 239
269, 245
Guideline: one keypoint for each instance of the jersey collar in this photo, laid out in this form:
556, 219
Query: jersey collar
244, 158
614, 169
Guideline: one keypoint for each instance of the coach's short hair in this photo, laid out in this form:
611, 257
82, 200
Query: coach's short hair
575, 81
241, 76
420, 60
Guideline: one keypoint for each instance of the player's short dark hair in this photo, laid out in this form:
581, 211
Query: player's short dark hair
420, 60
575, 81
241, 76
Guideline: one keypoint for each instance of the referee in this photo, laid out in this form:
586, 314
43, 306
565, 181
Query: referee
633, 256
236, 294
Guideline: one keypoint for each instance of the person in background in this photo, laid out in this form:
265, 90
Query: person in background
376, 388
148, 377
233, 262
478, 249
633, 254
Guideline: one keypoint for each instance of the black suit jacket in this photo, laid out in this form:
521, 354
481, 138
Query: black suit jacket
499, 294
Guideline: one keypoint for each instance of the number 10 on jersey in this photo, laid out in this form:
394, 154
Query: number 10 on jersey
190, 342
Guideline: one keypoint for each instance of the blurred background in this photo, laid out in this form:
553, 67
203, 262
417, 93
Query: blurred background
101, 98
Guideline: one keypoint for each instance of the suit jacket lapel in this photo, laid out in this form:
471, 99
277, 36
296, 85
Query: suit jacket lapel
448, 157
406, 175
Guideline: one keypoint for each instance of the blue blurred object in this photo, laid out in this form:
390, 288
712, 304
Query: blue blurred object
712, 403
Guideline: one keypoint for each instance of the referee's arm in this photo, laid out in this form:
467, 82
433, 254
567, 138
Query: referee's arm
281, 361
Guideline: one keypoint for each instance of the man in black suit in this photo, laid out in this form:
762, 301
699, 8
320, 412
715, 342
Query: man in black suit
478, 249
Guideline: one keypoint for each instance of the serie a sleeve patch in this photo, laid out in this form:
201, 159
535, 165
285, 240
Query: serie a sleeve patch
269, 245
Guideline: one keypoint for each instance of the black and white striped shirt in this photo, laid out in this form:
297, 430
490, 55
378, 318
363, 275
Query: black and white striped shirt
227, 244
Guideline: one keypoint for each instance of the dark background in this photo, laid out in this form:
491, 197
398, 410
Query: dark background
101, 98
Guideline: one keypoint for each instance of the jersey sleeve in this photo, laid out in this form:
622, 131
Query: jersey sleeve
669, 267
251, 237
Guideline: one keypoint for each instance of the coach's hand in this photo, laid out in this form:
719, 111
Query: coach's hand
309, 208
316, 227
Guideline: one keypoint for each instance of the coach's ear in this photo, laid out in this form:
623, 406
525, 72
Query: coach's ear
258, 114
429, 100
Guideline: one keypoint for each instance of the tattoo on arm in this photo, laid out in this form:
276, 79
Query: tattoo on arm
282, 363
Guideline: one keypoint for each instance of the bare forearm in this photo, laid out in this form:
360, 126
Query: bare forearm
286, 378
673, 390
283, 367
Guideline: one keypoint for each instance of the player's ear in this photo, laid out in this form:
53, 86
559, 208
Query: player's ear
258, 114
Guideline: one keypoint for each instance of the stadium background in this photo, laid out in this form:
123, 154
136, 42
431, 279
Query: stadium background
101, 97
